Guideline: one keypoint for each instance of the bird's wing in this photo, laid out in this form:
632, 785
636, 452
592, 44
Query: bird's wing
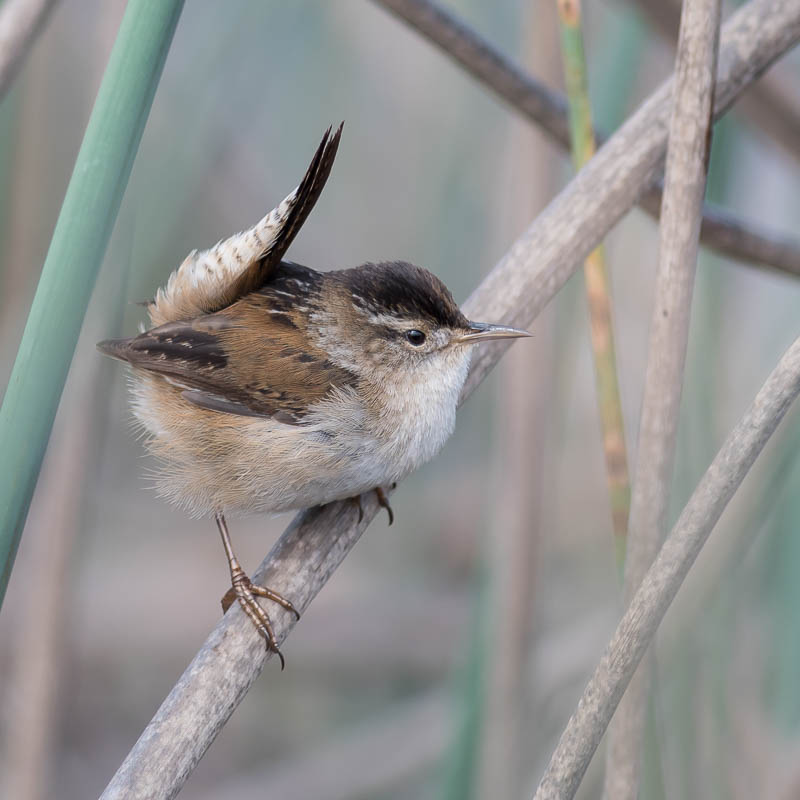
240, 361
211, 280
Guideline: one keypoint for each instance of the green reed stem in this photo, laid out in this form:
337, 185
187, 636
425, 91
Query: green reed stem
79, 241
597, 284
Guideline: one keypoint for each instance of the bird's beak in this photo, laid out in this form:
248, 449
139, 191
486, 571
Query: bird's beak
480, 331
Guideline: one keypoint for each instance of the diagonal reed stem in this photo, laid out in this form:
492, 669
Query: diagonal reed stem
772, 107
729, 236
656, 592
598, 291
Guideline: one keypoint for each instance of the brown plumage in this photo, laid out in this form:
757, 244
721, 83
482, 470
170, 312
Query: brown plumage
219, 365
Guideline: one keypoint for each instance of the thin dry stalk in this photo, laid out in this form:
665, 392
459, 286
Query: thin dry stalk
35, 679
740, 240
773, 105
638, 626
686, 172
20, 22
525, 280
722, 231
521, 417
598, 291
30, 165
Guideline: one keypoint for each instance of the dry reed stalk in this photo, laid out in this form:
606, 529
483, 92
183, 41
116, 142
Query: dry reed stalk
21, 21
522, 414
638, 626
722, 231
684, 187
773, 105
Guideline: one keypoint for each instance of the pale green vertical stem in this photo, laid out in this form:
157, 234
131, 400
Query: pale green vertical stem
602, 332
73, 260
597, 283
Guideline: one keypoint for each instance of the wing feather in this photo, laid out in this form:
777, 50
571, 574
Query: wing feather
211, 360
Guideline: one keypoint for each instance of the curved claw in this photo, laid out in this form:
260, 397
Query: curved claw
275, 649
356, 501
270, 643
383, 502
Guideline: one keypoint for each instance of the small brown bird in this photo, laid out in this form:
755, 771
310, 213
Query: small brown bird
264, 385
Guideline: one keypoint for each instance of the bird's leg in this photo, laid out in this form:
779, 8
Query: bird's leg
243, 590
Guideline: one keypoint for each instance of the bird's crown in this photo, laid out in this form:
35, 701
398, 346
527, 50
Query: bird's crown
402, 290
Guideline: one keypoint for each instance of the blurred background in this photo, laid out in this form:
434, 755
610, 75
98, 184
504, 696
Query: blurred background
446, 654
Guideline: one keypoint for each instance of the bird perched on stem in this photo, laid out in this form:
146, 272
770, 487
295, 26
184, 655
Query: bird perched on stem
264, 385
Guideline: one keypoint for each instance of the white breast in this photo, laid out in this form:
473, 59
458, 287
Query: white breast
417, 420
262, 465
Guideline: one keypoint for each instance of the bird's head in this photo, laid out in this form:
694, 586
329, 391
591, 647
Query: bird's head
400, 321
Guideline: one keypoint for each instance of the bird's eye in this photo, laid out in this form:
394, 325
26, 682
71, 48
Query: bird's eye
415, 337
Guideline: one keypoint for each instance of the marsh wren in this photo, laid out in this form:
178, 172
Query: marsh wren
264, 385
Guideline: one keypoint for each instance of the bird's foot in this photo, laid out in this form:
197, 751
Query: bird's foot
245, 591
383, 502
356, 501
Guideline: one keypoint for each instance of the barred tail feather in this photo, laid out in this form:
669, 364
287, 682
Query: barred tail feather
210, 280
203, 283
